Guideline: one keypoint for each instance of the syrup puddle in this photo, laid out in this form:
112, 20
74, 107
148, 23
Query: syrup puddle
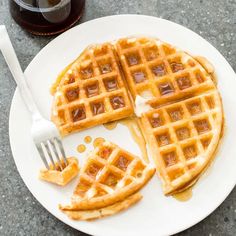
135, 131
87, 139
184, 196
110, 125
98, 141
81, 148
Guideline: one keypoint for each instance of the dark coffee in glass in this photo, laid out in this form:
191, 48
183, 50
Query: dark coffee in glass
46, 17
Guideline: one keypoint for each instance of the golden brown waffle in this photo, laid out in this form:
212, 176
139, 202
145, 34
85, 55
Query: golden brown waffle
61, 177
109, 175
171, 79
183, 138
184, 129
105, 211
90, 91
157, 70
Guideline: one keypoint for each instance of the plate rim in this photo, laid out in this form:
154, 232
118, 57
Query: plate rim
16, 93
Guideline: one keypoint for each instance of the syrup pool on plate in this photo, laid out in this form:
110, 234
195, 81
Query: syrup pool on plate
184, 196
87, 139
98, 141
165, 88
110, 125
136, 133
92, 90
81, 148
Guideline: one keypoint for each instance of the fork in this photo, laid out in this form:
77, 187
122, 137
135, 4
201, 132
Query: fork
44, 133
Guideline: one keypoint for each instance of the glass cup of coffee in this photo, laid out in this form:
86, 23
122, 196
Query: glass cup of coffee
46, 17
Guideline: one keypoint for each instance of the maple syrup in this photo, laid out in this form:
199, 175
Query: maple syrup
135, 131
98, 141
155, 120
202, 126
87, 139
166, 88
98, 108
163, 139
184, 196
176, 66
111, 85
78, 114
110, 125
170, 158
105, 152
182, 133
184, 83
133, 60
159, 70
92, 90
81, 148
117, 102
92, 170
139, 77
176, 114
72, 94
105, 68
190, 152
46, 17
122, 163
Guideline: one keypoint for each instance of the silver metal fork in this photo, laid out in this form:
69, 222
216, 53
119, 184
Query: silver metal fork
44, 133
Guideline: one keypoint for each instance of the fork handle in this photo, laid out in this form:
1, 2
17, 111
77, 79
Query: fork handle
17, 73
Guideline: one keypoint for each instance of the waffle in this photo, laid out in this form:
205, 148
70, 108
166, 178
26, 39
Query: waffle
183, 137
184, 99
159, 71
90, 91
105, 211
61, 177
171, 80
109, 175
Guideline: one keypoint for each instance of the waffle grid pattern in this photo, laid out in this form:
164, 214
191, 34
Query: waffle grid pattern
91, 92
181, 132
158, 70
107, 169
183, 129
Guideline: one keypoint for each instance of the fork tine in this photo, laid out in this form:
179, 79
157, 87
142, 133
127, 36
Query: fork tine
56, 153
49, 154
42, 155
62, 150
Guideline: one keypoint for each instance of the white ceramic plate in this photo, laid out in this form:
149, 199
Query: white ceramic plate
155, 214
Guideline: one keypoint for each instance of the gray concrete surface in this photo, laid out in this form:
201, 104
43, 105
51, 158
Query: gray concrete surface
20, 213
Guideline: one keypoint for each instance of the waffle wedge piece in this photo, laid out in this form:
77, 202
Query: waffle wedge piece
105, 211
90, 91
156, 70
109, 175
183, 138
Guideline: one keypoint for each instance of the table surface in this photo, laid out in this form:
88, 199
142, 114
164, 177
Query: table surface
20, 213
